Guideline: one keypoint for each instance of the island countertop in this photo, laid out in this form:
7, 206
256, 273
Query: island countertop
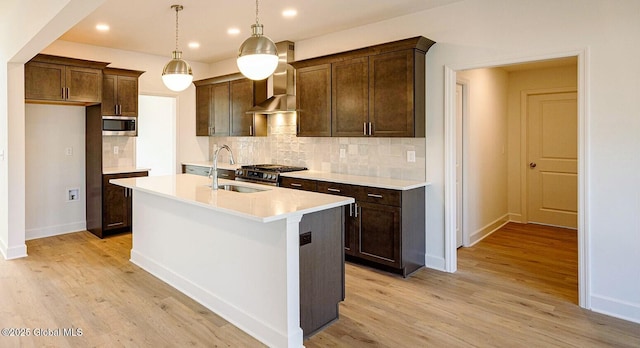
274, 203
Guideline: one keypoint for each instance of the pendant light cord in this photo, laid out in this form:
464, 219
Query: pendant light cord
177, 9
257, 12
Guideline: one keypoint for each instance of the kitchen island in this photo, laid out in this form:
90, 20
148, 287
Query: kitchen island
242, 255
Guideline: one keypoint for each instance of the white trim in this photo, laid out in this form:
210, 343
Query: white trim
15, 252
436, 262
56, 230
615, 308
488, 229
584, 271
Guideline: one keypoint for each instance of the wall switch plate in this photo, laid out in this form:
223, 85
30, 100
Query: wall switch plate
343, 153
68, 151
411, 156
115, 150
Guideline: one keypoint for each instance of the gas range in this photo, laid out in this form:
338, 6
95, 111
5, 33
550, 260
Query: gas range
267, 174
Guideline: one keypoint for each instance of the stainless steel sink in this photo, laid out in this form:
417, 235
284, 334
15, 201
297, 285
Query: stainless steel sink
241, 189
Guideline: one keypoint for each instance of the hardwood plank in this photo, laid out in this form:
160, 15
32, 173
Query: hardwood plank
518, 287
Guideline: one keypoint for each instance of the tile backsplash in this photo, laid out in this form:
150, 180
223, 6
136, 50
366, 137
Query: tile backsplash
381, 157
126, 156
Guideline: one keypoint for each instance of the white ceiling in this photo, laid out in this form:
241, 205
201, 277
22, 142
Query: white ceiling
148, 26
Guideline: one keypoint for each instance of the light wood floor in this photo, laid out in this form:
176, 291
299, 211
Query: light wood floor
517, 288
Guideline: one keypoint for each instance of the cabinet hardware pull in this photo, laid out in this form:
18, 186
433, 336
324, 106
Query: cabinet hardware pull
350, 209
62, 93
115, 224
295, 184
250, 130
333, 189
374, 195
370, 133
67, 97
356, 210
364, 128
224, 175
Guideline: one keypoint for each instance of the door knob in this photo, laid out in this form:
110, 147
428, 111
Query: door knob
532, 165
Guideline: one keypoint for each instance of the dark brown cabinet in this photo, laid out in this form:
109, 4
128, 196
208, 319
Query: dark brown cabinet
52, 79
313, 97
120, 92
374, 91
384, 228
116, 201
299, 184
222, 104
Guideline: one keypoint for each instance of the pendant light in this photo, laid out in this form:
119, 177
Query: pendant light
177, 74
257, 57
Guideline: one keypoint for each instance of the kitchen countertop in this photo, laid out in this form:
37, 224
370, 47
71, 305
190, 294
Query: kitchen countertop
119, 170
275, 203
221, 164
371, 181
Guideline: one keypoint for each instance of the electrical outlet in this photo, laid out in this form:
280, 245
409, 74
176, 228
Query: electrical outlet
115, 150
411, 156
73, 194
343, 153
68, 151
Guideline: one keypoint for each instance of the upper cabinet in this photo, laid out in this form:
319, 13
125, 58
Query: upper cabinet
222, 104
375, 91
61, 80
120, 92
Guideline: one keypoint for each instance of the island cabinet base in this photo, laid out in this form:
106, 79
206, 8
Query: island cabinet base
254, 274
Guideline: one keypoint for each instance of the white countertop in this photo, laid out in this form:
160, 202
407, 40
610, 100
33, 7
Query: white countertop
371, 181
119, 170
221, 165
273, 204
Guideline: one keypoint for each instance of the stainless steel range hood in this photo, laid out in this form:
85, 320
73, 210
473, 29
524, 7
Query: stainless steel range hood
281, 87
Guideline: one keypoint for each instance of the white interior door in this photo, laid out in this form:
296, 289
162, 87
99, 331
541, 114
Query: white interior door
459, 196
156, 141
552, 155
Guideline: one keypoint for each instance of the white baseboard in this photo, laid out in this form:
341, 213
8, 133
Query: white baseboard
616, 308
10, 253
435, 262
487, 230
50, 231
513, 217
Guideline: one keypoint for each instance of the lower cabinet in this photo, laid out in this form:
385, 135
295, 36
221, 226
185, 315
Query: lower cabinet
109, 207
384, 228
204, 171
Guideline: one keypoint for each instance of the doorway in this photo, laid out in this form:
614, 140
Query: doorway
156, 141
451, 152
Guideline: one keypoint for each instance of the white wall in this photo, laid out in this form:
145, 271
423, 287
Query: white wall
485, 168
50, 172
156, 141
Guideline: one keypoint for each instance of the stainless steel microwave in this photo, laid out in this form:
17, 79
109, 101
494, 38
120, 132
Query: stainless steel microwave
119, 125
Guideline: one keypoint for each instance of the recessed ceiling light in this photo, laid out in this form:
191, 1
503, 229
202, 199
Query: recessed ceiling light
289, 13
233, 31
194, 44
102, 27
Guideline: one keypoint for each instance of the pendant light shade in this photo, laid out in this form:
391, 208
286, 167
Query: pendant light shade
257, 56
177, 74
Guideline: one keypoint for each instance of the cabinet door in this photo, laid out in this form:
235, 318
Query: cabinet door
116, 206
241, 102
203, 110
83, 84
379, 234
351, 230
220, 109
313, 96
127, 88
391, 94
109, 96
44, 81
350, 97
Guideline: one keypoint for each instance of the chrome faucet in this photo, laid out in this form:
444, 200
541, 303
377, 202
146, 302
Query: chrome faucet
213, 172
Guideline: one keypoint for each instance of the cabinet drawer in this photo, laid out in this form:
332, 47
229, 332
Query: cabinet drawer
196, 170
225, 174
381, 196
339, 189
298, 184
